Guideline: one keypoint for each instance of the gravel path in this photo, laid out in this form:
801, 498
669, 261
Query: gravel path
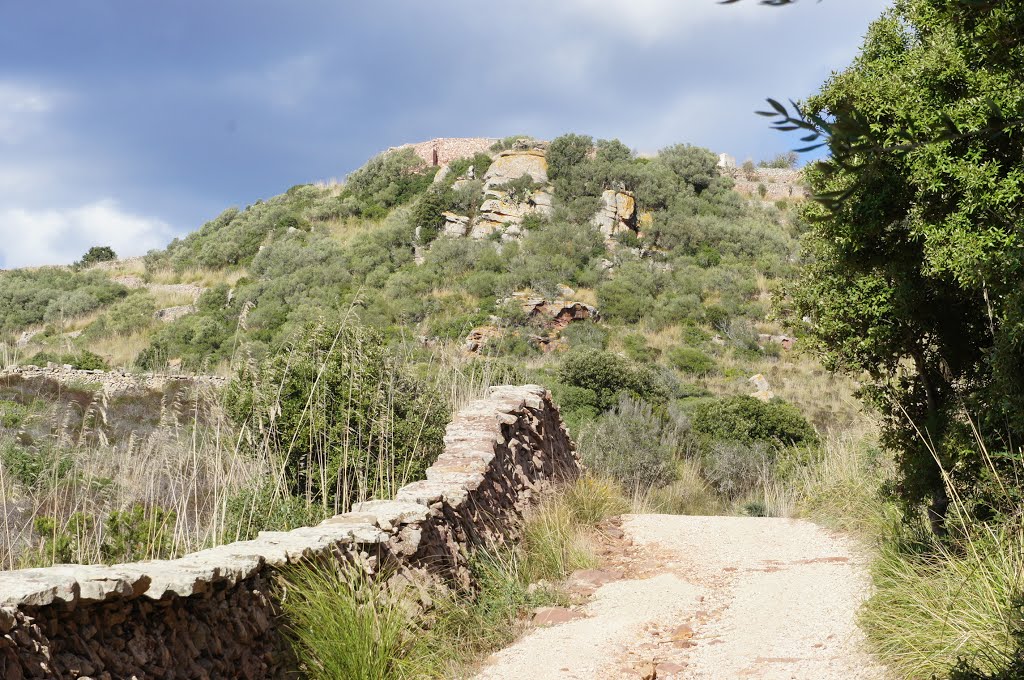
706, 598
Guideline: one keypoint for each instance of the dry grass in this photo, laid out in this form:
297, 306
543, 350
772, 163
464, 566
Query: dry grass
199, 276
120, 351
181, 476
825, 398
346, 230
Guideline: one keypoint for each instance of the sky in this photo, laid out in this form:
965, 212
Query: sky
129, 122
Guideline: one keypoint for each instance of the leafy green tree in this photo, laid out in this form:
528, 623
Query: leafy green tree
98, 254
915, 254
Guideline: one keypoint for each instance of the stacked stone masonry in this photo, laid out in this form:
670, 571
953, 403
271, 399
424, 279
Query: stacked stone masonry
447, 149
214, 614
113, 382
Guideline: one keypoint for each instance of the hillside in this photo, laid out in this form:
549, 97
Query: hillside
635, 288
432, 252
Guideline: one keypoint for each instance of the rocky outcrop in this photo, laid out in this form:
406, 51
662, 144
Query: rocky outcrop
556, 314
215, 614
479, 337
786, 341
455, 226
762, 389
551, 315
617, 213
501, 211
170, 314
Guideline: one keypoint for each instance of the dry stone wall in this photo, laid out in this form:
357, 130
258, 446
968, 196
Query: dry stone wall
214, 614
113, 382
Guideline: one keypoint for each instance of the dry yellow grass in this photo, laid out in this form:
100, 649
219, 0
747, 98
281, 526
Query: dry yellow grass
206, 278
344, 231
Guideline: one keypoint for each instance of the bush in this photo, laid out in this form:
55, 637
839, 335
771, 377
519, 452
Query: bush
748, 421
691, 361
585, 334
637, 349
632, 445
519, 189
567, 152
97, 254
608, 376
390, 179
133, 313
345, 624
139, 533
83, 360
268, 508
29, 297
734, 468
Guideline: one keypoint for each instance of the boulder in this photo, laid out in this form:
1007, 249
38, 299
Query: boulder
455, 225
515, 163
617, 213
763, 390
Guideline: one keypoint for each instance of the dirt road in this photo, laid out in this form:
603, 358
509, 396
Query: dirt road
706, 598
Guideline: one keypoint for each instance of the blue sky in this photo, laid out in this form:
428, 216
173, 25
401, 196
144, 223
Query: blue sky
128, 122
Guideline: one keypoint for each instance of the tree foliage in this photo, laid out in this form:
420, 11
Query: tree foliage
915, 255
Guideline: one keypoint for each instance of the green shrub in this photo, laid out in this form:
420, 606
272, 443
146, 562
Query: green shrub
83, 360
36, 467
345, 624
691, 361
427, 213
735, 468
578, 404
519, 189
608, 376
637, 349
748, 420
64, 544
268, 507
585, 334
29, 297
632, 445
138, 534
131, 314
97, 254
390, 179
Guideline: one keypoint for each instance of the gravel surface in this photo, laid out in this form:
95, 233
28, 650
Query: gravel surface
710, 598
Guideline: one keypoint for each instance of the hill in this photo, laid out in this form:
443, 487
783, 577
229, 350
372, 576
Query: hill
639, 289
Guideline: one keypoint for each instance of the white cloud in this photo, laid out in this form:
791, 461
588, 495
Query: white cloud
22, 108
651, 21
37, 237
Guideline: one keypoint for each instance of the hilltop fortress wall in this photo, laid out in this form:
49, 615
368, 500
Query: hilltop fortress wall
215, 613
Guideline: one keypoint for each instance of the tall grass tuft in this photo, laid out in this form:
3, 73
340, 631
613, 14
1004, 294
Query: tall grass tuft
345, 624
936, 605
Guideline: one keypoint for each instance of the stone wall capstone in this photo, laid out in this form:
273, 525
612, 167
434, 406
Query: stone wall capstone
215, 614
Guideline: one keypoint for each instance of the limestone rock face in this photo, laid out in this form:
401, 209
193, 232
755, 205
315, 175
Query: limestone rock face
499, 209
455, 225
763, 390
513, 164
617, 213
